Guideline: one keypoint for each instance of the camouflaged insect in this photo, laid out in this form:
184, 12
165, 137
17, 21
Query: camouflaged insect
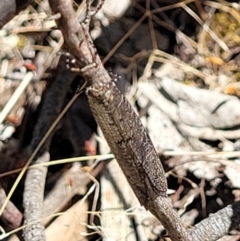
128, 140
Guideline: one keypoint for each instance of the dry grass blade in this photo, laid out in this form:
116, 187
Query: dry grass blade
26, 80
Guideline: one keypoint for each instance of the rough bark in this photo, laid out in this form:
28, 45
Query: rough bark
114, 115
33, 201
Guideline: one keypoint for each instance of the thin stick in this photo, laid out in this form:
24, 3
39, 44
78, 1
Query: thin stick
16, 95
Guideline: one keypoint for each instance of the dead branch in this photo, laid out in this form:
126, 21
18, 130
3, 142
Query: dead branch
33, 201
11, 217
52, 106
218, 224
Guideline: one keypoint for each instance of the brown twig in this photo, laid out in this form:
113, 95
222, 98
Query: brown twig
10, 8
120, 124
218, 224
33, 201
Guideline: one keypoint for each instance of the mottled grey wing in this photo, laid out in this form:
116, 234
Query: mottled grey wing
128, 140
139, 144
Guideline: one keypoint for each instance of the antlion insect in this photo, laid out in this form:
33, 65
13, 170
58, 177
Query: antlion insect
118, 121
